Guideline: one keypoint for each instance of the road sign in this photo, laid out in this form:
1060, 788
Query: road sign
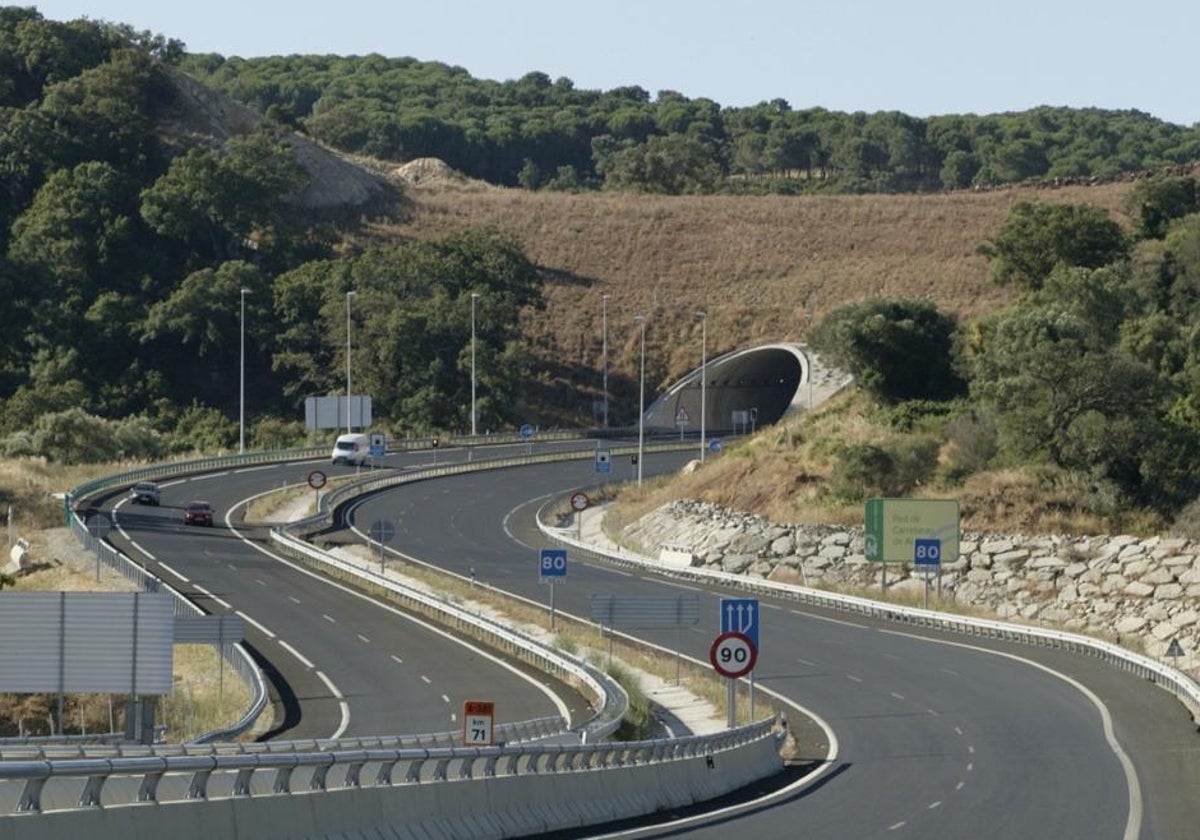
479, 717
526, 432
552, 565
603, 461
1174, 650
715, 445
927, 554
378, 445
681, 417
740, 615
580, 502
732, 655
894, 525
316, 479
381, 531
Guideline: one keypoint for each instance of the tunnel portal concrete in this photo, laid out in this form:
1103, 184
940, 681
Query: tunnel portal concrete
743, 389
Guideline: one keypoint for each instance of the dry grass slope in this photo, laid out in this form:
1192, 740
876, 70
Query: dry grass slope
762, 267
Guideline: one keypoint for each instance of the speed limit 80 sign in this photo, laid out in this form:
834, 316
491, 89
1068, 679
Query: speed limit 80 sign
733, 655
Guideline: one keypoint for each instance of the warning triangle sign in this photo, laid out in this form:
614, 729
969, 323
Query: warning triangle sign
1174, 648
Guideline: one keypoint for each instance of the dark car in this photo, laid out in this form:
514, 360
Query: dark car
144, 493
198, 513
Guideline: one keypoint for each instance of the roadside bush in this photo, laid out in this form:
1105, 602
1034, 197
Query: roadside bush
203, 429
895, 468
972, 444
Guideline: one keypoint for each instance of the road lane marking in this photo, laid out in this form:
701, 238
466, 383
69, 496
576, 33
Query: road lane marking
296, 653
900, 824
329, 618
208, 594
830, 620
933, 805
852, 677
172, 571
426, 680
363, 639
445, 699
261, 629
293, 599
397, 659
897, 696
1133, 822
342, 704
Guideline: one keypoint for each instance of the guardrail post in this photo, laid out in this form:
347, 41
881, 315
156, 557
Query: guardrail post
283, 780
148, 790
198, 789
241, 782
383, 777
31, 796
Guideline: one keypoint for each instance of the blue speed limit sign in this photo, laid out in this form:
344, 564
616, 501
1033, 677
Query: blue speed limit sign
927, 552
552, 564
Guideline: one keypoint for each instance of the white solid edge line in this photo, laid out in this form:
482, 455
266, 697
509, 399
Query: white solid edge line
250, 620
1133, 825
342, 704
303, 660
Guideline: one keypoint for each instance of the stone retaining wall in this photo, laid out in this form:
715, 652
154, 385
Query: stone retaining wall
1143, 593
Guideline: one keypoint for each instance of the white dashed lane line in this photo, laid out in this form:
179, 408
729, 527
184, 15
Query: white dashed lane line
293, 599
426, 680
854, 678
329, 618
208, 594
172, 571
363, 639
397, 659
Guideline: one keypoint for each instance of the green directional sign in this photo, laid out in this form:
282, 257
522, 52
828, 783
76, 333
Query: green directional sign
894, 527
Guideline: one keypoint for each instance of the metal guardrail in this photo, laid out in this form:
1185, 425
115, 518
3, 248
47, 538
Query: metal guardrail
298, 772
1178, 683
134, 775
503, 733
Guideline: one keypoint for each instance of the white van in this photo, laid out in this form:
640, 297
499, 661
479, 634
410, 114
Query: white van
351, 449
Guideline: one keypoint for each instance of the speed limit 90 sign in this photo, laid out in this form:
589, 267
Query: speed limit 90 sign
733, 655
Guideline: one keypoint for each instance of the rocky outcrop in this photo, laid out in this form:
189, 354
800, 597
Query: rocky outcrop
1144, 593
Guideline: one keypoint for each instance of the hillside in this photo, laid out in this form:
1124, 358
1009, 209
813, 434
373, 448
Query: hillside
762, 267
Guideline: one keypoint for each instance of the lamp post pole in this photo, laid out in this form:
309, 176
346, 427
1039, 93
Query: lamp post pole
641, 399
242, 380
604, 352
349, 295
474, 297
703, 316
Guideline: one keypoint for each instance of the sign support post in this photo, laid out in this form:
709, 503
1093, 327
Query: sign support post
552, 566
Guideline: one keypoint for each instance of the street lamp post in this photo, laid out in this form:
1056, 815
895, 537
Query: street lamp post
604, 352
703, 316
641, 399
349, 295
474, 297
242, 379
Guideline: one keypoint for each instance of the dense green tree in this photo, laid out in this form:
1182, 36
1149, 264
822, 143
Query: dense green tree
222, 206
896, 349
1158, 202
1054, 383
1035, 238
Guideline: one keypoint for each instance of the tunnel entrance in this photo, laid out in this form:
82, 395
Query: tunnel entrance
743, 390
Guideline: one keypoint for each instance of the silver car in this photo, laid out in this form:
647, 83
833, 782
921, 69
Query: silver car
144, 493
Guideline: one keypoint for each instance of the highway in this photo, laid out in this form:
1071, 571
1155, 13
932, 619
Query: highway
937, 737
340, 662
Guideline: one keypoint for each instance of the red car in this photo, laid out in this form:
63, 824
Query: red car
198, 513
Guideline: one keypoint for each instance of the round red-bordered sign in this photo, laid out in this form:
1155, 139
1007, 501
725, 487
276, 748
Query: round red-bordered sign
733, 655
580, 501
316, 479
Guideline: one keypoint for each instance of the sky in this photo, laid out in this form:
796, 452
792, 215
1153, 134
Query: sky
921, 57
